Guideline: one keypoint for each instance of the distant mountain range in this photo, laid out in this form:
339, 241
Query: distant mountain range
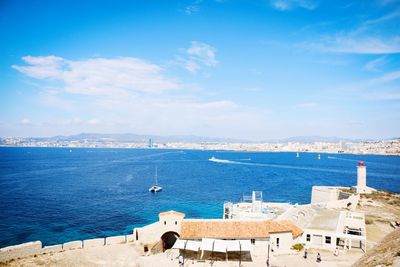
129, 137
313, 139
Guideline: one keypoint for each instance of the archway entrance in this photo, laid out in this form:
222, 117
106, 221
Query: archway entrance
168, 240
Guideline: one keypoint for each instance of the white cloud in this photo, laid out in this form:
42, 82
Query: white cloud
50, 67
198, 56
193, 8
99, 76
385, 78
291, 4
53, 98
307, 105
132, 95
368, 37
93, 121
384, 96
387, 17
25, 121
191, 66
357, 45
203, 53
375, 65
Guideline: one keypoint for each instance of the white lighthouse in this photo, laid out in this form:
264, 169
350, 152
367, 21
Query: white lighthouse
361, 187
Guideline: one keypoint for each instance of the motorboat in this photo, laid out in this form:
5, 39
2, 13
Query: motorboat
214, 159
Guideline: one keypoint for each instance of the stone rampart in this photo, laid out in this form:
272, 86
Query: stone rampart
52, 249
115, 240
72, 245
130, 238
95, 242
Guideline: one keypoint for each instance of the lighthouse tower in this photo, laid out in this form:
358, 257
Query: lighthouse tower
361, 175
361, 187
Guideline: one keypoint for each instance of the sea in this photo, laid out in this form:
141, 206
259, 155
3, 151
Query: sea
63, 194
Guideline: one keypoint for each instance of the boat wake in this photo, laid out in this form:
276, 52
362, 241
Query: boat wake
344, 159
214, 159
279, 166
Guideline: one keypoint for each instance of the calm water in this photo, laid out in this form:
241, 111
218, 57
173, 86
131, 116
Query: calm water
55, 195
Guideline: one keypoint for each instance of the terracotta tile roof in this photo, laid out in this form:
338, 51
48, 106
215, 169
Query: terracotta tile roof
235, 229
171, 212
296, 231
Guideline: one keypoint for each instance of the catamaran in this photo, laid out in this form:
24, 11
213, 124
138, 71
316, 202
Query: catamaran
155, 188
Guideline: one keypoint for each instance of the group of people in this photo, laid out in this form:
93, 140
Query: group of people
319, 259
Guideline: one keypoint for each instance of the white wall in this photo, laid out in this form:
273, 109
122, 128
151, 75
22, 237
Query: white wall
285, 241
152, 233
120, 239
73, 245
323, 194
314, 237
147, 234
95, 242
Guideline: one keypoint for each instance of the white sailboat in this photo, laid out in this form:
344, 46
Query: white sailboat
297, 155
155, 188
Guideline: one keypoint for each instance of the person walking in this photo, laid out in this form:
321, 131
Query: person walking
181, 262
319, 258
305, 253
336, 252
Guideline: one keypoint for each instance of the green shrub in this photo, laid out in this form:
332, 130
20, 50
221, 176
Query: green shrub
369, 221
298, 246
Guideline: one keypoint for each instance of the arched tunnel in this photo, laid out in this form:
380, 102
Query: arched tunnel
169, 239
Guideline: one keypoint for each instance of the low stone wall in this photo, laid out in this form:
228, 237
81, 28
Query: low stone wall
52, 249
96, 242
35, 248
72, 245
115, 240
130, 238
20, 251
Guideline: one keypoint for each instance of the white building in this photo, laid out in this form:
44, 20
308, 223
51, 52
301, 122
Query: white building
330, 229
251, 233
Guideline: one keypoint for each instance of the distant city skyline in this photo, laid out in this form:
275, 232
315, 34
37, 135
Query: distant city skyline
253, 70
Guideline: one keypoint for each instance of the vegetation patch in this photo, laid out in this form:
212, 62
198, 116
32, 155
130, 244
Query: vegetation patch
369, 221
298, 247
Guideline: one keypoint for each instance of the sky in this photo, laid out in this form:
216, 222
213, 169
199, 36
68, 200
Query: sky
255, 70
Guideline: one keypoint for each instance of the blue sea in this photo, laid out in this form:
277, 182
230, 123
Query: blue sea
57, 195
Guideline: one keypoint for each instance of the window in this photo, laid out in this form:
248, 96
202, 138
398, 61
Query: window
277, 242
327, 239
176, 222
253, 241
308, 238
137, 235
165, 222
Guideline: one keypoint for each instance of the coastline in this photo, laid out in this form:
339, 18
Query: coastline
206, 149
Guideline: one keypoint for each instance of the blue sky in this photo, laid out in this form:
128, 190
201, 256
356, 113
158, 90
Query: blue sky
243, 69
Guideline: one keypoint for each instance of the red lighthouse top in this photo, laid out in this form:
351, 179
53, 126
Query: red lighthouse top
361, 163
